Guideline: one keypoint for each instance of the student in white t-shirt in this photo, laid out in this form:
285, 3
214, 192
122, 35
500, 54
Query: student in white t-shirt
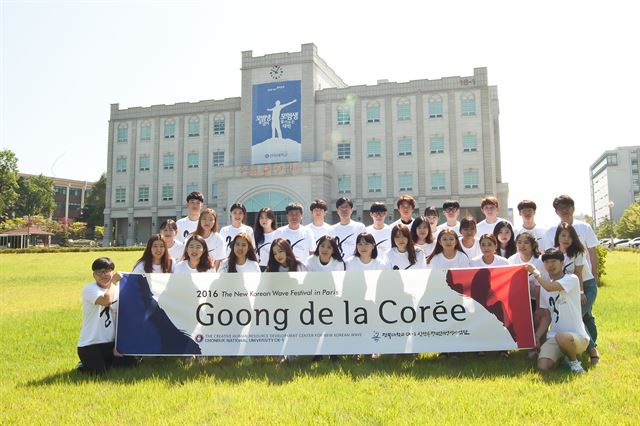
195, 257
327, 256
503, 231
155, 258
242, 257
282, 259
208, 229
346, 231
263, 234
527, 211
432, 215
169, 230
448, 252
404, 254
405, 204
96, 345
451, 210
381, 231
468, 239
188, 224
299, 236
490, 208
318, 213
365, 258
529, 253
421, 235
238, 214
488, 258
560, 295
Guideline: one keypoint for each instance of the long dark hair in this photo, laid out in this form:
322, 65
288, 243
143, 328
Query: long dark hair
258, 231
292, 262
371, 240
147, 256
205, 263
576, 246
335, 250
510, 249
438, 248
233, 259
414, 229
411, 248
535, 248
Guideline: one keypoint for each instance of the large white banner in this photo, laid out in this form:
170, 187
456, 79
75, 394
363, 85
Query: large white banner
325, 312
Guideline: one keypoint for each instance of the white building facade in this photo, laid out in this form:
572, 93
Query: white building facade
433, 139
615, 179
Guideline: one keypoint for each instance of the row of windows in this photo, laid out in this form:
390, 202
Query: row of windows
471, 180
405, 146
73, 192
168, 161
167, 192
403, 109
170, 129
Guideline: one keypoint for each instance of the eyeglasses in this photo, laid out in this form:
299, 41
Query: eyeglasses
451, 209
103, 271
378, 213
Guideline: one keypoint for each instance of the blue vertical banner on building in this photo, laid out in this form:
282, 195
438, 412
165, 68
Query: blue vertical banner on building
276, 122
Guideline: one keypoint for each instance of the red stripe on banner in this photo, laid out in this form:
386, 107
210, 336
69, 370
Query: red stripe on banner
502, 291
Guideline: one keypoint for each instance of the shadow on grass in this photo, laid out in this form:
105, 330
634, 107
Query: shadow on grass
268, 370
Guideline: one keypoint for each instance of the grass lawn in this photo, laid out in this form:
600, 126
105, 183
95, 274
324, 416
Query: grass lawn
40, 322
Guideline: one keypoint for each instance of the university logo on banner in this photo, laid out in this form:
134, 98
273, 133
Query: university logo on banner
316, 313
276, 123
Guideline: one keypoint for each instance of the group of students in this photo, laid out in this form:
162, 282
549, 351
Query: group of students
195, 244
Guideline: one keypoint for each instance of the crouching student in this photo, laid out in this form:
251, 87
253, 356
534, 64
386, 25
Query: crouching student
195, 258
327, 256
560, 295
242, 257
365, 258
155, 257
282, 259
96, 346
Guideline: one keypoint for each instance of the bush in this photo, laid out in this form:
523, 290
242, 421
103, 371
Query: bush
602, 259
68, 249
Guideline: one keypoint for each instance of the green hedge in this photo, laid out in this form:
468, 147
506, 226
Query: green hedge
68, 249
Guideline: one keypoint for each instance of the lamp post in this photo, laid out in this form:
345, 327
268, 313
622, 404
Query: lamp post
611, 204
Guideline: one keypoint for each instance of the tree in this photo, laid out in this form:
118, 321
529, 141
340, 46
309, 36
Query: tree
36, 196
93, 210
629, 224
78, 230
605, 230
8, 182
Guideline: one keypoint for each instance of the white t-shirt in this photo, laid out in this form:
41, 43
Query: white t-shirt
262, 249
382, 237
474, 251
440, 262
427, 248
156, 269
346, 236
538, 232
400, 261
477, 262
487, 228
565, 307
215, 244
186, 226
314, 264
301, 268
319, 231
537, 262
97, 328
585, 234
408, 225
301, 240
355, 264
229, 232
183, 267
442, 226
570, 264
176, 250
248, 266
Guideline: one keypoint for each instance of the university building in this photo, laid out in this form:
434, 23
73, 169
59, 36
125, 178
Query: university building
69, 196
298, 132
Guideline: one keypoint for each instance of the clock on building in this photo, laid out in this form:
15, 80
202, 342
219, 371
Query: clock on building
276, 72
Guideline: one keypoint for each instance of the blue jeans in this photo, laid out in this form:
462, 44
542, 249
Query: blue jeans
591, 292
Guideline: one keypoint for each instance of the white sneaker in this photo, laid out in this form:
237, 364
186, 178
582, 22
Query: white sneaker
576, 367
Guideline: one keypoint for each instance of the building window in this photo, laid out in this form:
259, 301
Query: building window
167, 193
145, 131
468, 104
404, 109
436, 144
194, 126
168, 161
61, 190
435, 107
218, 125
169, 129
121, 164
193, 160
344, 115
144, 162
123, 133
471, 180
143, 194
404, 147
218, 159
437, 181
214, 191
469, 142
374, 148
192, 187
344, 184
121, 194
344, 151
612, 159
373, 112
374, 183
75, 192
406, 182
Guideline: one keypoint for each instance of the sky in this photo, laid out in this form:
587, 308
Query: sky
566, 71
